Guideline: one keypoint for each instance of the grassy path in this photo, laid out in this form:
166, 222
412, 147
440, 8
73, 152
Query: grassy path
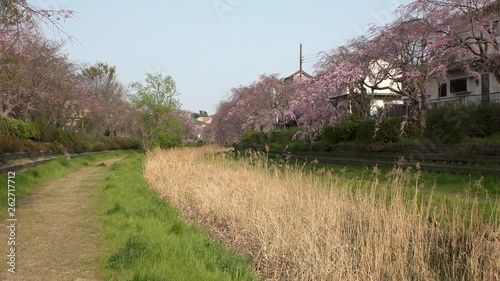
58, 228
95, 219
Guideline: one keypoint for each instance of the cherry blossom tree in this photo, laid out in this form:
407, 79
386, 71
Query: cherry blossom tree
470, 29
410, 54
22, 47
19, 21
104, 93
341, 74
311, 105
227, 122
12, 84
262, 103
38, 82
260, 107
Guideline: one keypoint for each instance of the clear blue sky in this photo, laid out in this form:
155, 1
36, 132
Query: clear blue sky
210, 46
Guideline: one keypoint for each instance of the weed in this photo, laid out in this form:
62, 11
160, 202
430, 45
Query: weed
317, 223
135, 248
117, 208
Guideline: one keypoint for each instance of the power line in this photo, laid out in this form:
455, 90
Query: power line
311, 56
312, 60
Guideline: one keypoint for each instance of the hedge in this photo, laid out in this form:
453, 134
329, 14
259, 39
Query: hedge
457, 124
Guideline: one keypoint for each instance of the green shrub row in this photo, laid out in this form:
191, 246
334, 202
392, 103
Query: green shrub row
387, 130
346, 131
277, 140
11, 145
456, 124
445, 125
17, 136
11, 127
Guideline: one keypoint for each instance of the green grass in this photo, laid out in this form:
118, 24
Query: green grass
489, 139
27, 181
146, 240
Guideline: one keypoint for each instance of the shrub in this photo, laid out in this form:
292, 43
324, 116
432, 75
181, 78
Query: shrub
281, 138
389, 130
411, 128
19, 129
254, 140
128, 143
300, 145
345, 131
485, 120
10, 144
451, 124
366, 131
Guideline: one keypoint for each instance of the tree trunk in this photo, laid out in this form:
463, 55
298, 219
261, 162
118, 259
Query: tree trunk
418, 109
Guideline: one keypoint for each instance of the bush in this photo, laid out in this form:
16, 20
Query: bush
485, 120
456, 124
299, 145
17, 136
254, 140
366, 131
19, 129
411, 129
281, 138
389, 130
345, 131
9, 145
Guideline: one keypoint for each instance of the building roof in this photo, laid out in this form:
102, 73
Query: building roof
206, 120
297, 74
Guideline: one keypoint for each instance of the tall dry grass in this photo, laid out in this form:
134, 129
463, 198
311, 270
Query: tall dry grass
298, 225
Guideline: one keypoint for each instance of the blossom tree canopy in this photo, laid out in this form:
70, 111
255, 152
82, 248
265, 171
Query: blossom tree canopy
259, 106
470, 29
20, 21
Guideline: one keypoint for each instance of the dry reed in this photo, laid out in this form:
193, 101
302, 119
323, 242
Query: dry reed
299, 225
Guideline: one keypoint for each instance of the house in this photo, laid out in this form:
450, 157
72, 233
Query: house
299, 74
378, 99
201, 124
464, 89
205, 120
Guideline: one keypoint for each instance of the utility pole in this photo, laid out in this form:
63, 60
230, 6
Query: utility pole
300, 64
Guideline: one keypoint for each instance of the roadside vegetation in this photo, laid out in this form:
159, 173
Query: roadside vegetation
472, 124
144, 238
20, 136
306, 224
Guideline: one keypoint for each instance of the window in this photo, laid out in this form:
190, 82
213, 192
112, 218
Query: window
443, 90
458, 85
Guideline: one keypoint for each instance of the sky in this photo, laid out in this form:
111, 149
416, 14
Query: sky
211, 46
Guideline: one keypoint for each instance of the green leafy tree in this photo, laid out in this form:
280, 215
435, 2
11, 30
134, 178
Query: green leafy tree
157, 99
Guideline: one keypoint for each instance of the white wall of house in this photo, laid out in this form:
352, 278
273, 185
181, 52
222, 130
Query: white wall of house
379, 104
462, 88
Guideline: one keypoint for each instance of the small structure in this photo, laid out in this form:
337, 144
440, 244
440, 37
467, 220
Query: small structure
299, 74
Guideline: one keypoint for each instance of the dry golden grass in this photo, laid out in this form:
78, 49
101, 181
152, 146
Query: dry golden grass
304, 226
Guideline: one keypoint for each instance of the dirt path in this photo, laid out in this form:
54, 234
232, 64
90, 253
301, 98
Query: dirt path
57, 229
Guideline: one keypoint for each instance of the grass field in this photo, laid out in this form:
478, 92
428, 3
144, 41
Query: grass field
145, 240
307, 224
